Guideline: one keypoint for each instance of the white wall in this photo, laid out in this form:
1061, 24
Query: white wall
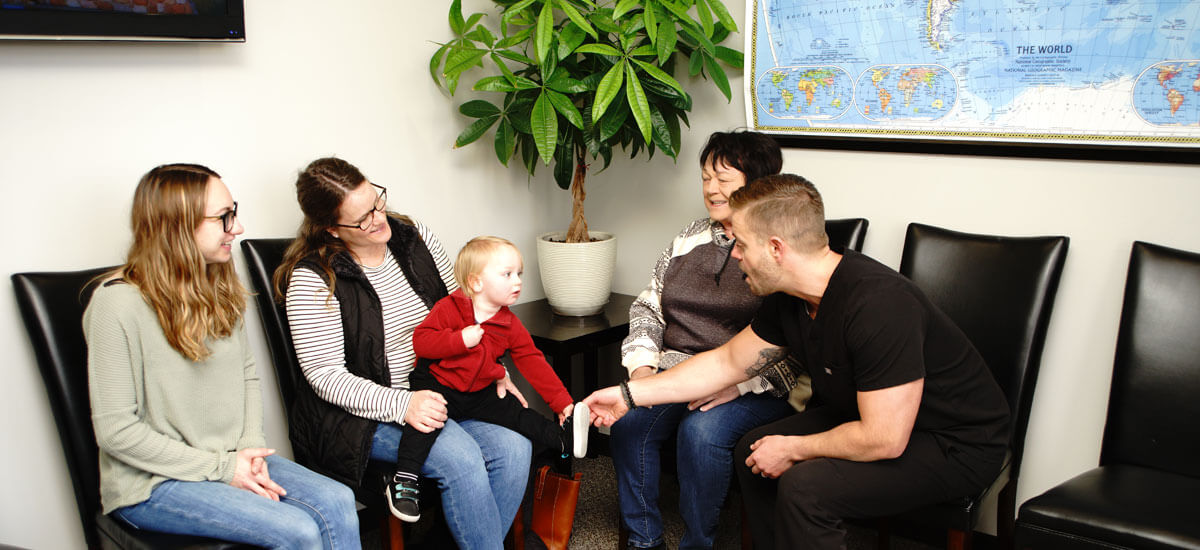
79, 123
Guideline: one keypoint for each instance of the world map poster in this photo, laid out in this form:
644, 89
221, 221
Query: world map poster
1083, 72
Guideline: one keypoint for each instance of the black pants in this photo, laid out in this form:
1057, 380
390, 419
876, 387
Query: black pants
482, 405
805, 507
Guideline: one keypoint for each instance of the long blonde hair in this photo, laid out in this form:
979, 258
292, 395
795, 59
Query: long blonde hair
194, 300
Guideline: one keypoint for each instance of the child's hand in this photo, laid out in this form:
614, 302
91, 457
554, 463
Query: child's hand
472, 335
565, 414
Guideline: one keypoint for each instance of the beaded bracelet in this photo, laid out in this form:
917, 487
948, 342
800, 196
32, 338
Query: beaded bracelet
628, 396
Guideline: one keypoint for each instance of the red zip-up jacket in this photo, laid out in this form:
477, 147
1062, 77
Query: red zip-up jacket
439, 337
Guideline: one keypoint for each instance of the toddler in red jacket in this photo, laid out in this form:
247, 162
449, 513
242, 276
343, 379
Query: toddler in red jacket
459, 344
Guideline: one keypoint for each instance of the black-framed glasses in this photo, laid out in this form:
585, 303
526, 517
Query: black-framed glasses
227, 219
364, 223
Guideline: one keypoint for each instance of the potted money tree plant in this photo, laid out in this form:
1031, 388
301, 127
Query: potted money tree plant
568, 82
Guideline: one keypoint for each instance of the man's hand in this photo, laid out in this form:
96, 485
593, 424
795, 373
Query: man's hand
472, 335
426, 411
606, 406
707, 403
250, 473
773, 455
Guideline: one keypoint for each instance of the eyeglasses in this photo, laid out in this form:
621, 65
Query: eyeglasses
364, 223
227, 219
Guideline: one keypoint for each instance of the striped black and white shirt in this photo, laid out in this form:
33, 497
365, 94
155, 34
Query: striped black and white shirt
316, 322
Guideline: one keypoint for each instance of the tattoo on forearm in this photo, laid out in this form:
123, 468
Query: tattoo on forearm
766, 357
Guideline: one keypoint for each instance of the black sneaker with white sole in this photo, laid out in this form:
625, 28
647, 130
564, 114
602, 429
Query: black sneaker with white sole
575, 432
404, 499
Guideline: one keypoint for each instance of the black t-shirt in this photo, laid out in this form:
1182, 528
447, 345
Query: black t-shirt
875, 329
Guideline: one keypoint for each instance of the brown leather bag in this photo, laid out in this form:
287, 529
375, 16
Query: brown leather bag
554, 500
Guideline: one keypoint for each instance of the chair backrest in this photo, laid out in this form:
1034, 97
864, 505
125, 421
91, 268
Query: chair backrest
1000, 291
262, 257
52, 306
1155, 398
847, 233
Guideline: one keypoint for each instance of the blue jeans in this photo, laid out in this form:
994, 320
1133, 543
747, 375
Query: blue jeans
317, 512
481, 470
704, 448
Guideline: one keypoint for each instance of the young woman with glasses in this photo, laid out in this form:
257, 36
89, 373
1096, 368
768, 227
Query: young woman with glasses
175, 394
357, 280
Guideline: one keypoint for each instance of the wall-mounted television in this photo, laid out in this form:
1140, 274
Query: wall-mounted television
138, 20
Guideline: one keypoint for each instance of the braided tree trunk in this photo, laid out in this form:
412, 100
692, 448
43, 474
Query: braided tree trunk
577, 232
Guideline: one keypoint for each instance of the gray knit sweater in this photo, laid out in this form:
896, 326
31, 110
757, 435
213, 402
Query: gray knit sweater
157, 414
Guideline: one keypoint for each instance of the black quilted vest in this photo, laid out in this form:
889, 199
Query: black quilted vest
324, 436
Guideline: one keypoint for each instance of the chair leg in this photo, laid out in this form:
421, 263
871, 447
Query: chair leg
1006, 514
622, 534
392, 532
747, 537
518, 531
958, 540
883, 534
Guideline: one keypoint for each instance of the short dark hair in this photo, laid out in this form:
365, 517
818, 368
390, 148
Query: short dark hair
754, 154
785, 205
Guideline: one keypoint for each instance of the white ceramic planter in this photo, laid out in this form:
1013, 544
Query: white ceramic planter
577, 277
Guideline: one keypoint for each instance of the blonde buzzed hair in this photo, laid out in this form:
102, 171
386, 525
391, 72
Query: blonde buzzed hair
474, 256
783, 205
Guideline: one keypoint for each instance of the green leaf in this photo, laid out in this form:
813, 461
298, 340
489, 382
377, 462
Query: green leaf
723, 16
612, 122
494, 84
659, 75
472, 20
702, 39
544, 122
575, 17
569, 38
514, 11
564, 163
644, 49
482, 34
603, 22
718, 75
660, 132
609, 86
509, 54
622, 7
638, 105
563, 105
705, 15
529, 155
680, 11
650, 19
435, 62
461, 59
560, 82
523, 83
506, 141
456, 18
602, 49
510, 41
695, 63
730, 56
545, 32
666, 41
475, 130
478, 108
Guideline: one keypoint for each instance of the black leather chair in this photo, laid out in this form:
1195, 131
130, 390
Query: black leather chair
847, 233
1144, 492
52, 305
1000, 291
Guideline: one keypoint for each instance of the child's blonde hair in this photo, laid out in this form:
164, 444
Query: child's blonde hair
474, 256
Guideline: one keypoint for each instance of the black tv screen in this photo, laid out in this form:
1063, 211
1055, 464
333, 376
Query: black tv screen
212, 20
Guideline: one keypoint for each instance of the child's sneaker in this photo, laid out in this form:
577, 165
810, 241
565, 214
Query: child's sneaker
581, 421
404, 498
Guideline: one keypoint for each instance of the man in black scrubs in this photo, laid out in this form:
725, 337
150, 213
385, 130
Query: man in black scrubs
904, 411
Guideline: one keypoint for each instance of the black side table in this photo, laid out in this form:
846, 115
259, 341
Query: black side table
561, 337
